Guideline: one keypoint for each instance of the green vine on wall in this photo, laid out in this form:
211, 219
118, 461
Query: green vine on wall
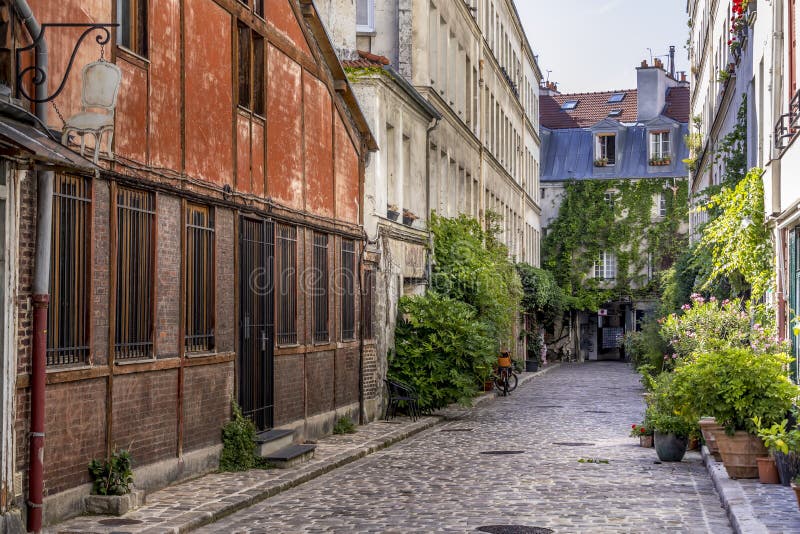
588, 224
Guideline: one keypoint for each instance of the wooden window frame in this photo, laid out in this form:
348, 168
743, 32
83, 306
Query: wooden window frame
135, 20
660, 139
602, 148
69, 317
602, 266
347, 286
199, 278
251, 69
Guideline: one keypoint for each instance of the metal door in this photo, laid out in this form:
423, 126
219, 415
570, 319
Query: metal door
256, 328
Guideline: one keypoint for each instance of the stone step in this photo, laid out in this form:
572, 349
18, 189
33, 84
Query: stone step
270, 441
290, 456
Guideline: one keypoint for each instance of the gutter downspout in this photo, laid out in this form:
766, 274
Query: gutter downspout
429, 261
41, 290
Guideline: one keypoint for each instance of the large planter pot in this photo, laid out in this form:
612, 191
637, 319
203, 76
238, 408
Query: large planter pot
739, 453
767, 470
646, 442
796, 493
531, 366
788, 466
669, 447
709, 427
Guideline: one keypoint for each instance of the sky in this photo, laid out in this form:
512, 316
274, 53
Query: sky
595, 45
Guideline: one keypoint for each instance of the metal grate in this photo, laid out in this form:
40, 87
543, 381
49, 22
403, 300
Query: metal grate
514, 529
367, 304
573, 444
319, 291
133, 336
286, 268
68, 317
348, 289
199, 278
502, 453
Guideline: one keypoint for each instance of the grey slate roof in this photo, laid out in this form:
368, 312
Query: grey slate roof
569, 154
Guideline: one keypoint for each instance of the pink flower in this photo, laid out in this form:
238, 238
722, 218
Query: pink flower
686, 307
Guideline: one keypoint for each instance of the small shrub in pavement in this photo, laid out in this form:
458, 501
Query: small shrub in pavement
238, 444
113, 476
344, 426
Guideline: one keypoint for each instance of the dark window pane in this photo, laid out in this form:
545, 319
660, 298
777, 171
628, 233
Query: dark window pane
244, 66
347, 287
286, 268
258, 74
199, 298
319, 279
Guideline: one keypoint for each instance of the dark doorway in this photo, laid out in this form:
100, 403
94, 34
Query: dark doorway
256, 324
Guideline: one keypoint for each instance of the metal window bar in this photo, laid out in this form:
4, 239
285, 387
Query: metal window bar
68, 318
199, 336
133, 336
786, 127
286, 267
320, 288
348, 289
367, 304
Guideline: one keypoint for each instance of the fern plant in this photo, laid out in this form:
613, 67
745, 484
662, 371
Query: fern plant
113, 476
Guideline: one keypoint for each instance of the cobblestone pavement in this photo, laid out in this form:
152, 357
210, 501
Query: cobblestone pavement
775, 506
439, 480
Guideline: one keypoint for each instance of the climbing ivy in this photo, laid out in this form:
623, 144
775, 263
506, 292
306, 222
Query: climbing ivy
614, 216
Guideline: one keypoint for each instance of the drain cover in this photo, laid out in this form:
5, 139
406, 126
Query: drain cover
502, 452
597, 411
575, 444
514, 529
121, 522
456, 430
548, 406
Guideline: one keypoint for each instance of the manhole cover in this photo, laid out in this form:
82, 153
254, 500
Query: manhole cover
121, 522
514, 529
502, 452
597, 411
573, 444
456, 430
547, 406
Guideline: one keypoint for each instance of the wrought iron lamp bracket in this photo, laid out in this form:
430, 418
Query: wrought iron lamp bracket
39, 76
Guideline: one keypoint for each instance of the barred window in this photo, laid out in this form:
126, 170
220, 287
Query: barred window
68, 317
367, 303
133, 330
348, 289
320, 287
199, 298
286, 267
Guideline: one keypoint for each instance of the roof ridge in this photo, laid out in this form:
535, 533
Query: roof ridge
596, 92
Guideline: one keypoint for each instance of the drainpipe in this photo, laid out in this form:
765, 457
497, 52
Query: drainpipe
41, 290
429, 261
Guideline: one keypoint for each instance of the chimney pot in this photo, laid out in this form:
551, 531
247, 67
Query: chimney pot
644, 63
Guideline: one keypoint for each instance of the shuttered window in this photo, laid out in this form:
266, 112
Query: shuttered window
286, 267
347, 287
319, 288
133, 329
199, 298
68, 317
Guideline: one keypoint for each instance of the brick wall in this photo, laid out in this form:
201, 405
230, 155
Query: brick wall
206, 404
168, 273
101, 204
372, 387
319, 386
224, 236
289, 388
76, 432
346, 376
25, 253
144, 411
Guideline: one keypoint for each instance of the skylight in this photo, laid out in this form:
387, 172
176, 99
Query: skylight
615, 113
569, 104
616, 97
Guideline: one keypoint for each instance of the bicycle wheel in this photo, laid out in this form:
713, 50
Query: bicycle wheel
512, 382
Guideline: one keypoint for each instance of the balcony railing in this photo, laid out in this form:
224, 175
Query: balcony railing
787, 126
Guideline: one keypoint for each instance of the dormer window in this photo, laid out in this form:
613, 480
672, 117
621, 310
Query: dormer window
615, 113
660, 148
616, 98
606, 149
569, 104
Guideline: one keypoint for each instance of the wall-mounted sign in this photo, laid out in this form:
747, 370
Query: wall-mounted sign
602, 312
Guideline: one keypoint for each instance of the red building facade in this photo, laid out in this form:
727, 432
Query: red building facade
216, 256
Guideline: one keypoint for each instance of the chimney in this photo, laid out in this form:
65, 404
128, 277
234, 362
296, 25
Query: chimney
651, 86
549, 89
672, 61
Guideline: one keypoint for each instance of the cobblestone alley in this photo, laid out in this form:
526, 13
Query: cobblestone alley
441, 481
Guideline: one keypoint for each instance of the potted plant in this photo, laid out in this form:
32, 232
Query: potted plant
671, 430
112, 486
644, 433
392, 212
409, 217
783, 446
734, 385
533, 351
601, 162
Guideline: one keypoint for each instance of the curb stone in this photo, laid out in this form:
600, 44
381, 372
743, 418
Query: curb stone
257, 491
736, 504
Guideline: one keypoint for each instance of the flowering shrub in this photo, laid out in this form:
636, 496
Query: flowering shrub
709, 325
738, 25
638, 431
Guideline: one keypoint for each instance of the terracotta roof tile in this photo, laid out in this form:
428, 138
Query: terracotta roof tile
678, 104
591, 109
367, 60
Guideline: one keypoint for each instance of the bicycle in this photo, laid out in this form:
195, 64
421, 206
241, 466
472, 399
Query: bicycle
506, 378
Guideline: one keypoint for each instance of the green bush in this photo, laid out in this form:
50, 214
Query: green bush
238, 444
542, 298
663, 413
344, 426
734, 385
113, 476
646, 349
442, 349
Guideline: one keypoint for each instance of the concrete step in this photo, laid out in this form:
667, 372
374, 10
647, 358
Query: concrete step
290, 456
270, 441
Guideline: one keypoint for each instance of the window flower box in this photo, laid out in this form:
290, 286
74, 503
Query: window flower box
660, 162
601, 162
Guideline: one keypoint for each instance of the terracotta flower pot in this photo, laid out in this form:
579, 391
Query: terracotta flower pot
709, 427
646, 441
796, 493
767, 470
739, 453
